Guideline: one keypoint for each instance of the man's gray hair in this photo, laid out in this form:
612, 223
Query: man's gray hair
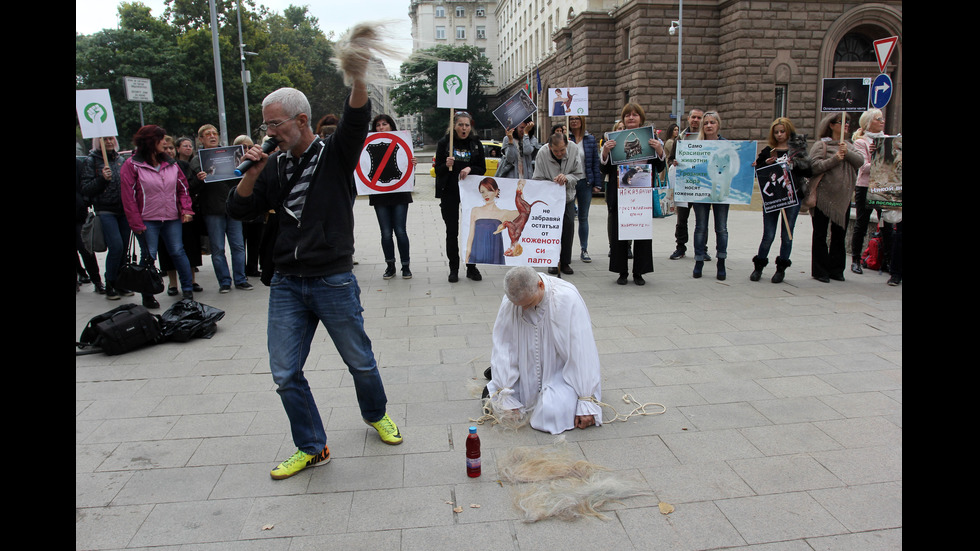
293, 103
520, 283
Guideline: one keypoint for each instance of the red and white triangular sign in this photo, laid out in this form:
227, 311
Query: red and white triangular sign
883, 50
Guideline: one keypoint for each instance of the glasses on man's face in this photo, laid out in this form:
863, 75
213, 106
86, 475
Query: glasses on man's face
267, 125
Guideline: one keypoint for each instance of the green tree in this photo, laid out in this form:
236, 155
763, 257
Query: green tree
175, 52
142, 47
416, 93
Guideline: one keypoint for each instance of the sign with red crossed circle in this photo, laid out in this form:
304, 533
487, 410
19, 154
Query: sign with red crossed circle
386, 164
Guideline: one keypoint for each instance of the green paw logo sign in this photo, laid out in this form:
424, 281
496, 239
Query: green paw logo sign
96, 113
452, 84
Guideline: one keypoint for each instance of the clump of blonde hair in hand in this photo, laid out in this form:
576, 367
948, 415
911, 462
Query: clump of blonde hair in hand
358, 46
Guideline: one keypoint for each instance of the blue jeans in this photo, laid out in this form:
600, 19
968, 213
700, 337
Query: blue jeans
115, 230
296, 306
219, 226
770, 222
393, 219
173, 238
702, 211
583, 194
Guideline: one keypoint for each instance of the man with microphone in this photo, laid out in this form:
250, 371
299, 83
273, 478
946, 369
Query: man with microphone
308, 183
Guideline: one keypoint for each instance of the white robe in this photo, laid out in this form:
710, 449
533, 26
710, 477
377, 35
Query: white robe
545, 359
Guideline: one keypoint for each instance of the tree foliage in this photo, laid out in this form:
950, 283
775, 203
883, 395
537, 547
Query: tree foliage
175, 52
416, 93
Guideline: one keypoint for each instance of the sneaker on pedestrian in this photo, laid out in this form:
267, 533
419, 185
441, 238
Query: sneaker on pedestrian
677, 254
110, 293
387, 430
406, 273
585, 256
244, 286
299, 461
389, 271
224, 289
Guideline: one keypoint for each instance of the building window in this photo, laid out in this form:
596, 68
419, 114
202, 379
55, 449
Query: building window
626, 43
440, 33
779, 101
440, 11
481, 32
480, 12
460, 33
460, 11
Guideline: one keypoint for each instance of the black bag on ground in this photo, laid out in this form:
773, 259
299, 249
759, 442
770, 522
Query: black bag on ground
120, 330
188, 319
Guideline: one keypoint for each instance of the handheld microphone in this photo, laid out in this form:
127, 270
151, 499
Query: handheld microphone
267, 147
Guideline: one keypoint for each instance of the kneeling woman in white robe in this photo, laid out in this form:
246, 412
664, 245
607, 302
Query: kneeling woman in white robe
544, 361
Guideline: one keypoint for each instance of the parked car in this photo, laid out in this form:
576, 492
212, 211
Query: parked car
491, 153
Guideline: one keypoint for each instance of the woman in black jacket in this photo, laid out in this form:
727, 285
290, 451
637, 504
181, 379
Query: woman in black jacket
464, 158
100, 182
786, 147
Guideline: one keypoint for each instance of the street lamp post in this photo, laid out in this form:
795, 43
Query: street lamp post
246, 75
678, 28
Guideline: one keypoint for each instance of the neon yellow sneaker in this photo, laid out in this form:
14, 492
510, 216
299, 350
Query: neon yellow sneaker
299, 461
387, 430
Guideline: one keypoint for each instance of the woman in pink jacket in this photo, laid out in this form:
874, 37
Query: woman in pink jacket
156, 201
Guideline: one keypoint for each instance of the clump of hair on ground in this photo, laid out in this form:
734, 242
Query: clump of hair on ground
550, 483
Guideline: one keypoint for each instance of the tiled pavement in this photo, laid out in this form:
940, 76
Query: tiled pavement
782, 431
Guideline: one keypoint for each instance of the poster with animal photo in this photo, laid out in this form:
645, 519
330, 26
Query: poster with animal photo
776, 187
631, 145
635, 201
510, 222
714, 171
885, 178
219, 163
845, 94
568, 101
515, 110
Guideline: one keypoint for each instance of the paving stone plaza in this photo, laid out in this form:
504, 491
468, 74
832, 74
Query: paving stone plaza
782, 429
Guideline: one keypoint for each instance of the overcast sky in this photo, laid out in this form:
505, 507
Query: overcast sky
91, 16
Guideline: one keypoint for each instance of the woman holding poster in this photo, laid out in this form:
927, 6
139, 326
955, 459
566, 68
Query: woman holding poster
835, 165
633, 117
786, 147
517, 152
710, 128
392, 212
464, 158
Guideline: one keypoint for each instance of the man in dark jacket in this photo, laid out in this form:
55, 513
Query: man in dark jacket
309, 182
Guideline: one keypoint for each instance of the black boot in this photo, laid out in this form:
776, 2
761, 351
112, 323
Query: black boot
389, 271
473, 273
759, 263
722, 274
781, 266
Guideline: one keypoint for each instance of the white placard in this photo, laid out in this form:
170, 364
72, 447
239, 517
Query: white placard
386, 164
452, 85
95, 117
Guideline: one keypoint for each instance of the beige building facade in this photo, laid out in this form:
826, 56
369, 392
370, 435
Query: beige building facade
455, 23
749, 60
